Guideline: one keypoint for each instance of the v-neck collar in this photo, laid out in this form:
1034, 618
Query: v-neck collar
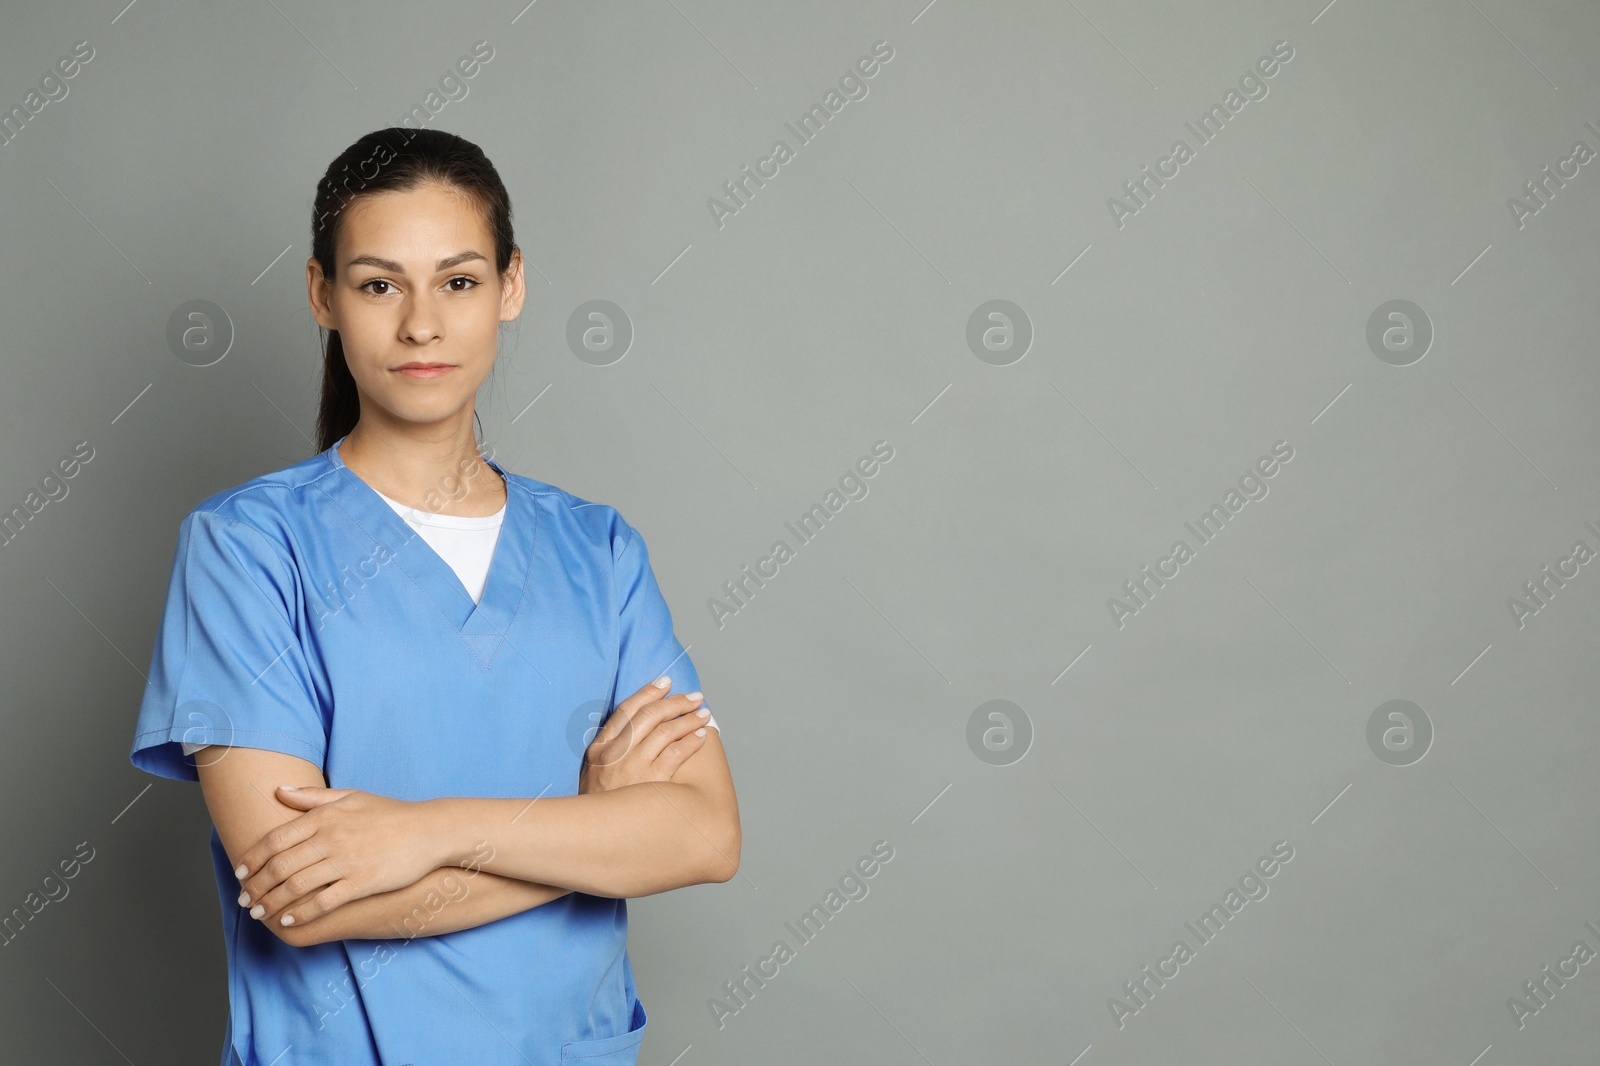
482, 624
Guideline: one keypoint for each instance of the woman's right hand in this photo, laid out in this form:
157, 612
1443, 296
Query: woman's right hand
646, 738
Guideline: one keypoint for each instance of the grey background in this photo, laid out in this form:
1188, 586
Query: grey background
831, 312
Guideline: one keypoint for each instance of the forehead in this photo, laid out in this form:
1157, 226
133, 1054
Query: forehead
419, 225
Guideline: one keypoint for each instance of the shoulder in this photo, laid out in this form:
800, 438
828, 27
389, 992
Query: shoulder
262, 515
598, 525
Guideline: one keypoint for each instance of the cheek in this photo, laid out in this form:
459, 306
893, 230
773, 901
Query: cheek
476, 333
477, 327
368, 336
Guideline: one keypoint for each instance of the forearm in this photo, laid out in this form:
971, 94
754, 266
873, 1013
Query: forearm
446, 900
631, 841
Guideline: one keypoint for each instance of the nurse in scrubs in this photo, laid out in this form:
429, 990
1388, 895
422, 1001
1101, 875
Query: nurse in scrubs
437, 709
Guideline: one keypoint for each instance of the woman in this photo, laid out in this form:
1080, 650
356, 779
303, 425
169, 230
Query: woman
385, 664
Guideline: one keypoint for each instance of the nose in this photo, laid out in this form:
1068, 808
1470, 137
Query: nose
420, 322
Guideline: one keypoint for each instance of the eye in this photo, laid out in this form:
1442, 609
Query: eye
375, 281
472, 282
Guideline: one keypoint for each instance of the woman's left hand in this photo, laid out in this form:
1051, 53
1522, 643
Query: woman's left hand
348, 844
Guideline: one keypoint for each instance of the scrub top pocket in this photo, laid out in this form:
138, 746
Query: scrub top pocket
622, 1050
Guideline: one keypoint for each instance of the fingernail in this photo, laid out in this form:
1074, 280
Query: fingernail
693, 695
240, 872
700, 732
290, 788
257, 911
288, 919
703, 713
244, 899
663, 681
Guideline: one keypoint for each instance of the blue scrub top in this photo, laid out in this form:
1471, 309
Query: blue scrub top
305, 616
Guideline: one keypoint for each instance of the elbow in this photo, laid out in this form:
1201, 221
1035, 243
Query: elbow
716, 860
723, 872
702, 858
726, 860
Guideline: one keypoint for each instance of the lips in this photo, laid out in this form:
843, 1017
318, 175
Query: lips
424, 370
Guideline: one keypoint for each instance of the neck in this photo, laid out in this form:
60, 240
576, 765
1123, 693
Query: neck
426, 468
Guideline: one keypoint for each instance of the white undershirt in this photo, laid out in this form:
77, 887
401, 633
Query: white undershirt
466, 543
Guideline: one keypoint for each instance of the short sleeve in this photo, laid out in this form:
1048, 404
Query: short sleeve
649, 648
228, 666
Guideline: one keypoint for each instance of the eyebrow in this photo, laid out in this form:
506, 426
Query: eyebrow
395, 268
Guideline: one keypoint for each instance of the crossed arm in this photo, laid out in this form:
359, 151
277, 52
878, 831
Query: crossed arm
656, 810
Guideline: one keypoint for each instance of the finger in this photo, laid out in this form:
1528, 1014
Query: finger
652, 717
621, 722
666, 730
677, 753
327, 899
278, 838
648, 695
278, 869
619, 719
651, 691
305, 797
645, 716
625, 732
275, 918
297, 886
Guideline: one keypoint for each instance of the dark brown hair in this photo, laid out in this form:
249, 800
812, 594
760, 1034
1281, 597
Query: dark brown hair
396, 159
